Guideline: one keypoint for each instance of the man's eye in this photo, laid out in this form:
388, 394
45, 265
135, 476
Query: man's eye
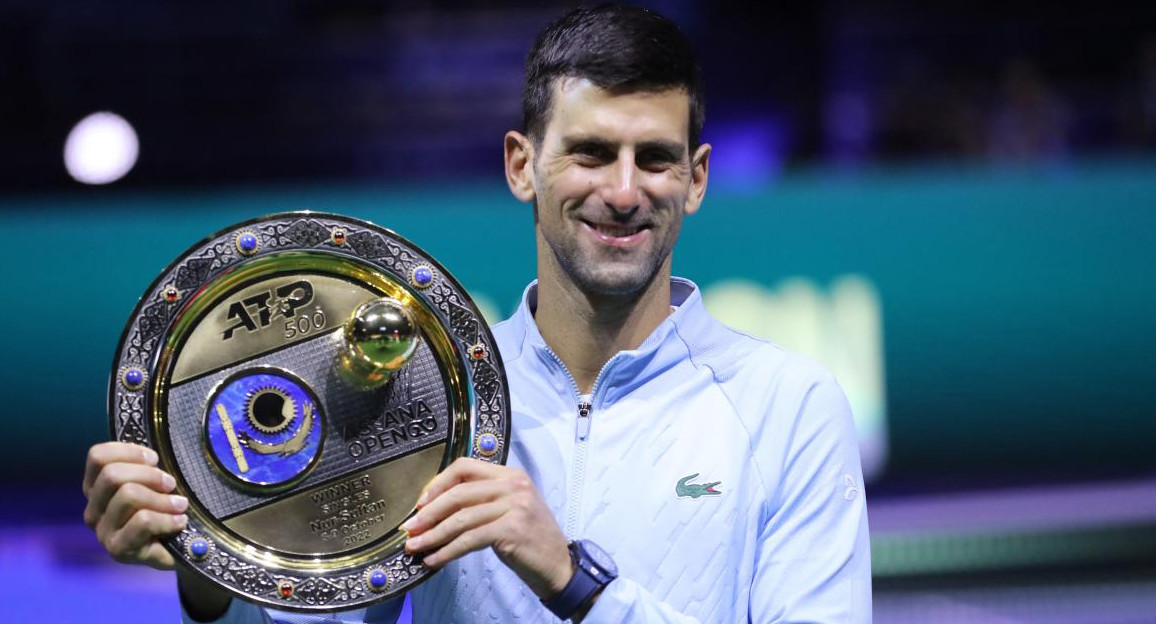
592, 153
655, 159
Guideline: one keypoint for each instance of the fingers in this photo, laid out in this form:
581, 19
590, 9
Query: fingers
133, 497
136, 518
474, 505
107, 453
138, 540
467, 530
129, 505
463, 469
465, 509
445, 505
113, 477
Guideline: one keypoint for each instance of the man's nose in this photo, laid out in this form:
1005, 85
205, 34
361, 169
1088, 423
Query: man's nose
621, 191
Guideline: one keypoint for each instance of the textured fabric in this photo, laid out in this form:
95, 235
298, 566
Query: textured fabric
781, 536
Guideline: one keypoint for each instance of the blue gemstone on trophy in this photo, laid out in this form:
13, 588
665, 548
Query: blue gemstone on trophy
378, 580
422, 276
198, 548
133, 378
247, 242
488, 444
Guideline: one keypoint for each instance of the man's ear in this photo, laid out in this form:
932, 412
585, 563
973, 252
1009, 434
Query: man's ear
519, 154
699, 170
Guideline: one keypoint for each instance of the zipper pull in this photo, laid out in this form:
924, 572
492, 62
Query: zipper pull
583, 419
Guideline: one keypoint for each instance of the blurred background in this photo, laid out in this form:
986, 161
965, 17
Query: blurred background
954, 208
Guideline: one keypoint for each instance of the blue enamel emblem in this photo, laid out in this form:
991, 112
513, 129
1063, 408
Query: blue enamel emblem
264, 428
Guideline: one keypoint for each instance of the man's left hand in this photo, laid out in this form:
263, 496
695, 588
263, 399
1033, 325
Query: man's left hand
474, 504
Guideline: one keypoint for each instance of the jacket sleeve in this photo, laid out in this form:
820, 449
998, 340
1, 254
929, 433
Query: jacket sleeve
814, 555
812, 558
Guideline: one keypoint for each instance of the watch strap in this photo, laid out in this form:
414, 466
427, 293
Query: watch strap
581, 588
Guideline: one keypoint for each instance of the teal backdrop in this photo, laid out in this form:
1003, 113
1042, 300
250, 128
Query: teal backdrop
1019, 309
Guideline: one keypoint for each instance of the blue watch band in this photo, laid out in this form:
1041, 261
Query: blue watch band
593, 570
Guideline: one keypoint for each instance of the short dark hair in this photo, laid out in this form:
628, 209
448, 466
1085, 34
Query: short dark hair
616, 47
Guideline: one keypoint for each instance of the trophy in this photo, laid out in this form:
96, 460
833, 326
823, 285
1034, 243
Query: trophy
303, 376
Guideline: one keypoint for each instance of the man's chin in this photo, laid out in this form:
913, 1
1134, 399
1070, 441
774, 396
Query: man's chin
624, 285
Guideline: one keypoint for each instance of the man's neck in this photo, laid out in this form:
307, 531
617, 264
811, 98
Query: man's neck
585, 331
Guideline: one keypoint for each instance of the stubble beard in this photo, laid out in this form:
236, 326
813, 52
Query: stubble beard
603, 279
583, 272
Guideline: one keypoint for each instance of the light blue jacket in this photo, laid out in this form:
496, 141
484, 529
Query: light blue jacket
780, 536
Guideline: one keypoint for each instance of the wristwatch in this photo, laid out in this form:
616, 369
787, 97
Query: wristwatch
593, 570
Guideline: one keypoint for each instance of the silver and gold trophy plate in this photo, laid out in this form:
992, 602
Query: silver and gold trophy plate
304, 375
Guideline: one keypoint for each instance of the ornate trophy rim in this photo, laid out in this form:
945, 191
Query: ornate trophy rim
479, 412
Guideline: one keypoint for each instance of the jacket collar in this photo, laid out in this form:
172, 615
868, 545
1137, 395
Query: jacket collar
660, 350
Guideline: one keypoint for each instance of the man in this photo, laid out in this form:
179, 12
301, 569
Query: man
718, 472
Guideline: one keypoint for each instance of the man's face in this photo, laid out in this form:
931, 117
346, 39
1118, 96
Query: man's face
611, 180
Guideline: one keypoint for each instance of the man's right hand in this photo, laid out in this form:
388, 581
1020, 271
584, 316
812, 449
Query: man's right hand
129, 503
131, 508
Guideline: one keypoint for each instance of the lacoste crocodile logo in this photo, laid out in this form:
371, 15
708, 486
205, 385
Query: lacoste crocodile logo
695, 490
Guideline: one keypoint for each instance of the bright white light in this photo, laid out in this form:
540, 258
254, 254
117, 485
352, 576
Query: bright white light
101, 149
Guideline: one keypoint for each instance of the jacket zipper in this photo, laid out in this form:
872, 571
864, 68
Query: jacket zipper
581, 436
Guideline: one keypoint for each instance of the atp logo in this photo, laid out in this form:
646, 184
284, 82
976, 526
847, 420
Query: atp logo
260, 310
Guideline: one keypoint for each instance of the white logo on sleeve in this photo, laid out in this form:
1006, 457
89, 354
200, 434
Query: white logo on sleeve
852, 488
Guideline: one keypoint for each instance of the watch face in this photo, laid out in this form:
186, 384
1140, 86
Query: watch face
599, 557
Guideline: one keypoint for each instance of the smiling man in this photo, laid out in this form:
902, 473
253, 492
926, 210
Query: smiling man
663, 468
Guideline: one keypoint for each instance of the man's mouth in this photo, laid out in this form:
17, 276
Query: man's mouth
616, 231
617, 235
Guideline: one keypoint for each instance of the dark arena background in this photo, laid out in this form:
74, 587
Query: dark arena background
952, 205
